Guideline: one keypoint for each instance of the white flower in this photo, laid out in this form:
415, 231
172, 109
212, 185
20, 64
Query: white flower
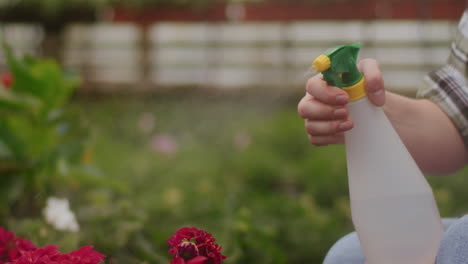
57, 213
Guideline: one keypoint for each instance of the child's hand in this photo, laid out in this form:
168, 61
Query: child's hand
324, 107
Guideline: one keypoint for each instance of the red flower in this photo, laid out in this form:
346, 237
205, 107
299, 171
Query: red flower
84, 255
16, 250
7, 242
51, 255
194, 246
21, 246
12, 247
7, 79
45, 255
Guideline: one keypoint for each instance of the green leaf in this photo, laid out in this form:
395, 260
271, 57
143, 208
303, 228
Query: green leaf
5, 151
11, 141
10, 189
13, 102
42, 79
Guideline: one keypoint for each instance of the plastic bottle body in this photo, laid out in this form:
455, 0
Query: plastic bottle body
393, 207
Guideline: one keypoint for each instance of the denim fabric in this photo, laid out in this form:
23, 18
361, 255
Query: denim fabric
454, 245
453, 248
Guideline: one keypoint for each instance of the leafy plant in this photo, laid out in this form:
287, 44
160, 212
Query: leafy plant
40, 140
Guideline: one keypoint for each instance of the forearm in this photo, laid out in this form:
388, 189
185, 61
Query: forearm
428, 133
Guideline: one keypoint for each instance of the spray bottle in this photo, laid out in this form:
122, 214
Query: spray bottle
392, 205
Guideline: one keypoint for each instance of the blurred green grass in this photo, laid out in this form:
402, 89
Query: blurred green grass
238, 165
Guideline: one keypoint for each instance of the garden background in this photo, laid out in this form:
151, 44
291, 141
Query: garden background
153, 115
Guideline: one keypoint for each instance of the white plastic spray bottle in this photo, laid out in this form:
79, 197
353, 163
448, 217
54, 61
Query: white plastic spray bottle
392, 205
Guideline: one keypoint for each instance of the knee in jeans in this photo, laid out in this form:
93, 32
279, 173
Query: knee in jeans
454, 245
346, 250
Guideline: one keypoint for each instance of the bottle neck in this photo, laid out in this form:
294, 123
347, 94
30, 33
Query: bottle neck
356, 91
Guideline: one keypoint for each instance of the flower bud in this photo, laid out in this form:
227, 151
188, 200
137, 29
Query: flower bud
187, 250
7, 80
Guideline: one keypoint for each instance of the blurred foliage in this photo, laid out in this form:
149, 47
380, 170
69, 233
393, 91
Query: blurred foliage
59, 11
56, 6
241, 168
40, 141
50, 9
243, 172
235, 164
54, 15
238, 166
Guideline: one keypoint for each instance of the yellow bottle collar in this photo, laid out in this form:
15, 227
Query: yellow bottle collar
356, 91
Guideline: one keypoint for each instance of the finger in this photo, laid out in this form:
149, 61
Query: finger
311, 109
374, 81
319, 89
326, 140
327, 128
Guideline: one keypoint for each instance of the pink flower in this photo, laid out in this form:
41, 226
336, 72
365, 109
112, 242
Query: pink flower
164, 144
190, 245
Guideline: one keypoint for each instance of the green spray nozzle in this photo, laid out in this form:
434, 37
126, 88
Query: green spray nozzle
338, 65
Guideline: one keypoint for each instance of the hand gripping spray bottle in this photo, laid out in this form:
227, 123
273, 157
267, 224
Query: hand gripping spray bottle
392, 205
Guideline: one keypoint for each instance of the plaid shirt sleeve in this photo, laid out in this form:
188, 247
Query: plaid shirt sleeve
447, 86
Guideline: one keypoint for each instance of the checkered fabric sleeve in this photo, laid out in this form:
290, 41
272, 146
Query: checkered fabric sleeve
447, 86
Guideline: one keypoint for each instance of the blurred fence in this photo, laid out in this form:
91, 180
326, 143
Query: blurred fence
25, 39
235, 55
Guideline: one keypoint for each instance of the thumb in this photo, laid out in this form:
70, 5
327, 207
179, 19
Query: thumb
374, 81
